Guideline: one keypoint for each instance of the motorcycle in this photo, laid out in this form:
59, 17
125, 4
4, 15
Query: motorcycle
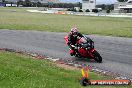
85, 49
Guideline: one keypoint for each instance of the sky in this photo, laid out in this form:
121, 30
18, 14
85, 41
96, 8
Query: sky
98, 1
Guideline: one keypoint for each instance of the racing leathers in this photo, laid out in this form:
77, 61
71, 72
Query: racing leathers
72, 39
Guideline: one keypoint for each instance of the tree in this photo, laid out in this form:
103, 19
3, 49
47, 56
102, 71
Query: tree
95, 10
27, 3
3, 1
80, 5
87, 10
39, 4
109, 7
108, 11
103, 6
122, 0
20, 2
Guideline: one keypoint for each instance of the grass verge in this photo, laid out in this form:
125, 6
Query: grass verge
19, 19
19, 71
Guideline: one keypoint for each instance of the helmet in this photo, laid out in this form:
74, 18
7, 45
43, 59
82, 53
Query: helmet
74, 30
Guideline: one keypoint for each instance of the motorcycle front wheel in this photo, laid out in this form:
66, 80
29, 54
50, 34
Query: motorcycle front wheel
97, 57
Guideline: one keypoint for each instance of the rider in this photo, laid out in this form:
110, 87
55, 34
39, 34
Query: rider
72, 39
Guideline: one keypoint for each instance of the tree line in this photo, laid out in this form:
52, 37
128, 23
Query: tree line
122, 0
28, 3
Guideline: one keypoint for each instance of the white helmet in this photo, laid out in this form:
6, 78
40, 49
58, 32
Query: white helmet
74, 30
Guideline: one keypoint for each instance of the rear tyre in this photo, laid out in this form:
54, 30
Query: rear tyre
97, 57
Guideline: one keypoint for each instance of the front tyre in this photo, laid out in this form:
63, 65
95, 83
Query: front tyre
97, 57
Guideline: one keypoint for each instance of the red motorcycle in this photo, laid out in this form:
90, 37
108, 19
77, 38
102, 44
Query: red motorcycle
85, 49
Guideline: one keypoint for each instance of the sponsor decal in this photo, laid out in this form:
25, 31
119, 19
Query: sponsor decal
86, 81
110, 82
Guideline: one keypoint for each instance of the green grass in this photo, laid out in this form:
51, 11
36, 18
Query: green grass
20, 19
18, 71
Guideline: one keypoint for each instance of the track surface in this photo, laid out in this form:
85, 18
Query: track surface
116, 51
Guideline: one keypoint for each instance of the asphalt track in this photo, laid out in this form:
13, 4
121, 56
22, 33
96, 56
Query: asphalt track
116, 51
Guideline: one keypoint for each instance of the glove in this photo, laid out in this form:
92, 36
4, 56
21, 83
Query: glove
73, 46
